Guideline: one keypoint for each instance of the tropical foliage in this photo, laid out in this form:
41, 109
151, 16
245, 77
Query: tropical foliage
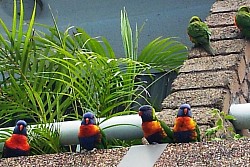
57, 76
221, 130
163, 54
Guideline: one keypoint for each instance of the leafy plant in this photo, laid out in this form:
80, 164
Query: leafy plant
164, 55
24, 95
58, 75
45, 74
221, 130
117, 143
45, 139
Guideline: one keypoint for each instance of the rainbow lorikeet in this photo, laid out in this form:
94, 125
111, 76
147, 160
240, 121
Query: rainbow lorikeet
200, 34
154, 130
185, 128
242, 20
90, 135
17, 144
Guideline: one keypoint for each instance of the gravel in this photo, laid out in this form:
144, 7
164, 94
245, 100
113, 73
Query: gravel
217, 153
102, 158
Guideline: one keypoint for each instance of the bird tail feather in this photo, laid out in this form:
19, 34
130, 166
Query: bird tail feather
209, 49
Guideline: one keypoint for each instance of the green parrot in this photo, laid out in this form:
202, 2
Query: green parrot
154, 130
200, 34
242, 20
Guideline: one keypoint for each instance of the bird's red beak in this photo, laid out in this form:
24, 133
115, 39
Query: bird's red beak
87, 121
21, 127
185, 111
140, 113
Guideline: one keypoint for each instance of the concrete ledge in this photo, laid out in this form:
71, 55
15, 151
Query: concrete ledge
229, 32
221, 19
227, 5
221, 47
206, 80
229, 46
211, 63
204, 97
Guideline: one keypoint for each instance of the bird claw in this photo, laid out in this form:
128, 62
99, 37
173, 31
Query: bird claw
88, 151
144, 141
93, 150
154, 143
83, 151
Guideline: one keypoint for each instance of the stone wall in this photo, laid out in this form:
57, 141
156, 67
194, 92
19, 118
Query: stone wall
207, 81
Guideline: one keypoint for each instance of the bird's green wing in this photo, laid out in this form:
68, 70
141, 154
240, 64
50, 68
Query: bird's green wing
103, 144
198, 133
168, 131
4, 152
199, 32
243, 20
153, 114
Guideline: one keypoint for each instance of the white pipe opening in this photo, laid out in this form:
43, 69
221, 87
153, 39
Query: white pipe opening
241, 112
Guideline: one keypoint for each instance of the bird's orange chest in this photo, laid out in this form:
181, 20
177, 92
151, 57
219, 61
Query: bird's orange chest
184, 124
18, 142
88, 130
150, 128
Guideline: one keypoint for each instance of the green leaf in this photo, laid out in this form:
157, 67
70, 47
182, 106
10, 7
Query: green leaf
219, 122
216, 139
211, 131
229, 117
237, 136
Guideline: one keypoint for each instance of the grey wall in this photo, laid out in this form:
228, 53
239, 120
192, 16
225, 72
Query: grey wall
102, 18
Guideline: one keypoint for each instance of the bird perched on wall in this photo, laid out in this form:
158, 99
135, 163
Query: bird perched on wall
200, 34
90, 135
17, 144
154, 130
242, 20
185, 128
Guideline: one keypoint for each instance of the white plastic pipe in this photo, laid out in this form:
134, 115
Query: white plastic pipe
69, 129
241, 112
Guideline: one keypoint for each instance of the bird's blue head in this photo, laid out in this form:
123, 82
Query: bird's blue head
184, 111
88, 118
147, 113
20, 128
